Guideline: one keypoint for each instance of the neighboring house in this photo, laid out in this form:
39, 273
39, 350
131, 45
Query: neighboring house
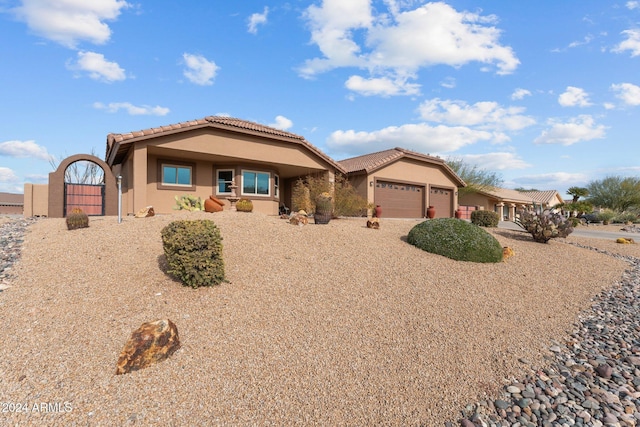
405, 183
204, 157
507, 202
11, 203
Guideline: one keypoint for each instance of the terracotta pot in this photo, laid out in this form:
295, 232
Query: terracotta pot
213, 205
431, 212
378, 211
458, 213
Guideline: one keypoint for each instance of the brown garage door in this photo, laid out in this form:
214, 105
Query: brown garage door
442, 200
399, 200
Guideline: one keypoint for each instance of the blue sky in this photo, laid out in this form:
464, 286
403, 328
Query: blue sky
545, 93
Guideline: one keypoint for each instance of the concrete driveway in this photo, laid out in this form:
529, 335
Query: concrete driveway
591, 233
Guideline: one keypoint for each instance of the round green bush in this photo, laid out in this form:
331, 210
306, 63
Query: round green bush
456, 239
485, 218
193, 249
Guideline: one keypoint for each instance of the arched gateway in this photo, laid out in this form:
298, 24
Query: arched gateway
102, 199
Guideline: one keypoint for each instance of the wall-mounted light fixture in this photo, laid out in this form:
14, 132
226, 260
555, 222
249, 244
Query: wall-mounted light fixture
370, 183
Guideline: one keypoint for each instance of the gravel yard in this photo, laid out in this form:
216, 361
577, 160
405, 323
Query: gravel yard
330, 324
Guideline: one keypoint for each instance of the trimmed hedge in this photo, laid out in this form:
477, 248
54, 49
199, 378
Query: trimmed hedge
485, 218
456, 239
194, 252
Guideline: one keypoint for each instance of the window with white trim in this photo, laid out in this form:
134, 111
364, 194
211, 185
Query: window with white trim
255, 183
276, 186
178, 175
224, 180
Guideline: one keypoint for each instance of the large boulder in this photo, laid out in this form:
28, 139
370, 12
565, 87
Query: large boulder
151, 343
145, 212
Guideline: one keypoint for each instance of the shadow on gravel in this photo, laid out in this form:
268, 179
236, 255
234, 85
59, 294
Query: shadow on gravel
164, 267
515, 235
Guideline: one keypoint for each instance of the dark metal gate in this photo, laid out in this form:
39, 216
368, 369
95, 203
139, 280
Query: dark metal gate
88, 197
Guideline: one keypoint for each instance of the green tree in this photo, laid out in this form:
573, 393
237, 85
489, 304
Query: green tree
476, 179
577, 192
616, 193
524, 190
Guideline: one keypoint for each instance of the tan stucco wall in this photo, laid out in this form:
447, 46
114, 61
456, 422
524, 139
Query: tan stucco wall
36, 200
479, 200
239, 146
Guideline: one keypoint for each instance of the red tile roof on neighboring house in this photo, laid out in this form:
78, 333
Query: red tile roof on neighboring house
117, 144
543, 197
371, 162
526, 197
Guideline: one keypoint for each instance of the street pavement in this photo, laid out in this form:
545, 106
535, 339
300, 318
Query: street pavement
590, 232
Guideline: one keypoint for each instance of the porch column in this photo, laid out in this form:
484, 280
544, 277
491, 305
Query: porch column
140, 178
512, 211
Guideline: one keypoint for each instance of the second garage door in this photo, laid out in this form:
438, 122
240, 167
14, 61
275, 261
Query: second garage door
399, 200
442, 200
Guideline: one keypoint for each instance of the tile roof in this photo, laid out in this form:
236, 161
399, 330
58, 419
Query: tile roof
508, 195
545, 197
117, 143
373, 161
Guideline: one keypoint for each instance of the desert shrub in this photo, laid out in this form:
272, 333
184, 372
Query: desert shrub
574, 221
324, 209
77, 219
189, 203
605, 215
194, 252
485, 218
307, 190
544, 226
456, 239
624, 217
347, 202
244, 205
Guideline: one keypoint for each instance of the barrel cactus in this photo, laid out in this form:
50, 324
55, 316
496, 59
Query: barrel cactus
244, 205
77, 218
324, 208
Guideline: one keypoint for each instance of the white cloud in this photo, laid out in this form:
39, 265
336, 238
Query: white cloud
581, 128
281, 123
551, 180
485, 115
24, 149
381, 86
574, 97
632, 5
98, 67
397, 44
7, 175
199, 69
419, 137
495, 161
70, 21
520, 93
627, 92
257, 19
632, 42
133, 110
448, 82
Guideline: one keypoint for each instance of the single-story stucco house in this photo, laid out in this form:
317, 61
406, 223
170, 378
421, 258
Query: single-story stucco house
507, 202
203, 157
208, 156
11, 203
405, 183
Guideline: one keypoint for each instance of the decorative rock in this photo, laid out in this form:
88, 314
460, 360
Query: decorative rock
145, 212
152, 342
604, 371
373, 223
299, 218
507, 252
